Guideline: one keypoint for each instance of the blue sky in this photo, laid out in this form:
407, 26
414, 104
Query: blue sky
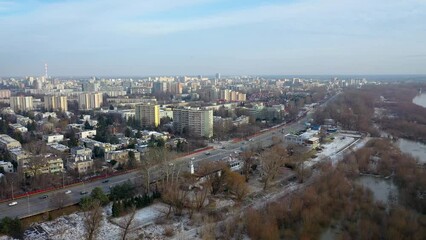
164, 37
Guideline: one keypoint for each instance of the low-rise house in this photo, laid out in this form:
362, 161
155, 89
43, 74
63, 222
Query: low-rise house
8, 143
86, 134
6, 166
58, 147
241, 120
42, 164
53, 138
19, 154
81, 166
18, 128
307, 138
121, 156
80, 160
24, 121
106, 147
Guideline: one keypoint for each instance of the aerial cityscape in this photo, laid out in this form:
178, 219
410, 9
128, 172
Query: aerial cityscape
212, 120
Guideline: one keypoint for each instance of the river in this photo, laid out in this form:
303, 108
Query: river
420, 100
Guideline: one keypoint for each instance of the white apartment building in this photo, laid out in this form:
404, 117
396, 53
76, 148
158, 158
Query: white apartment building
197, 121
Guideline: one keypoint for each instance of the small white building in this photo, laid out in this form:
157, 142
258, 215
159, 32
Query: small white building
53, 138
86, 134
7, 166
18, 128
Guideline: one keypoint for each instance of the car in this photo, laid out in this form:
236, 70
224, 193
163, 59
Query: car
13, 204
44, 197
105, 181
193, 158
207, 153
68, 192
223, 147
84, 192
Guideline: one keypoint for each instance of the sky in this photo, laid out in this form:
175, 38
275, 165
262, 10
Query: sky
204, 37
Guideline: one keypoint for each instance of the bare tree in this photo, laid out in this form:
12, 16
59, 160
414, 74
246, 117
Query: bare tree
271, 161
248, 160
92, 217
236, 184
160, 158
211, 172
126, 223
176, 197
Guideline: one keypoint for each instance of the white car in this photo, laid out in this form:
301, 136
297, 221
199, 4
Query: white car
13, 203
193, 158
68, 192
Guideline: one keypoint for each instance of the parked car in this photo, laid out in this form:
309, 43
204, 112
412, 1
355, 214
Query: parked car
67, 191
207, 153
13, 204
84, 192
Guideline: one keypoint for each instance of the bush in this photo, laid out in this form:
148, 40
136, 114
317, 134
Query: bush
11, 227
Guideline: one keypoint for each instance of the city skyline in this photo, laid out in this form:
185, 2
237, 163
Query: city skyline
129, 38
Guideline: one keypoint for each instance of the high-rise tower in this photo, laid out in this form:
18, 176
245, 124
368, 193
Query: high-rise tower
45, 71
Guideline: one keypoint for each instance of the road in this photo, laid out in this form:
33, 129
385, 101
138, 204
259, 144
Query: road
32, 205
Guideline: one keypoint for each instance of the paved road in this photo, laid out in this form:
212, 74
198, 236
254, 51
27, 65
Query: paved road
33, 204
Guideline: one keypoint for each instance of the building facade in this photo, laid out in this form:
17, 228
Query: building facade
55, 103
148, 114
21, 103
195, 121
89, 101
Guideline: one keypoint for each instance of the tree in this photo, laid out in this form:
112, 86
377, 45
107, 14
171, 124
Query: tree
122, 191
73, 141
248, 160
92, 217
211, 171
271, 162
11, 227
87, 125
236, 184
117, 208
98, 194
126, 222
128, 132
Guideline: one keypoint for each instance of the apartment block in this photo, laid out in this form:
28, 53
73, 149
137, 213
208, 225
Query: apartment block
89, 101
195, 121
21, 103
8, 143
4, 93
55, 103
148, 114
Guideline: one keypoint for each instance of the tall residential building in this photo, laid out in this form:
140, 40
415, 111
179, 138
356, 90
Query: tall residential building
4, 93
148, 114
88, 101
195, 121
21, 103
55, 103
90, 87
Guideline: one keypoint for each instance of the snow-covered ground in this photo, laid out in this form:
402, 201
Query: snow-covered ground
332, 149
71, 227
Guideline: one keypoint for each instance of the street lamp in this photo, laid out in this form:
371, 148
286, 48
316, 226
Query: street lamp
28, 202
12, 191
